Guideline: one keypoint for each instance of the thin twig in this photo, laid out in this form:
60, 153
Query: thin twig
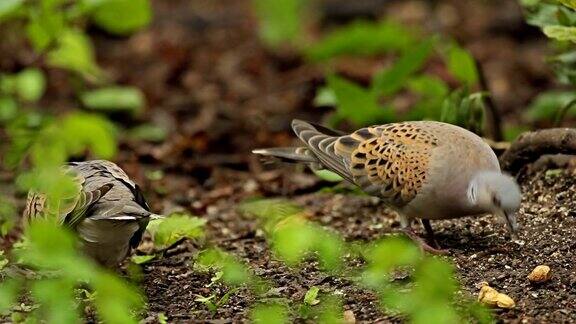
493, 117
563, 111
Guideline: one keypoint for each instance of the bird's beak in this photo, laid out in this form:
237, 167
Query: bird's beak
510, 219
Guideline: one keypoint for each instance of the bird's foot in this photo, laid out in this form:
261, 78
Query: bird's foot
433, 249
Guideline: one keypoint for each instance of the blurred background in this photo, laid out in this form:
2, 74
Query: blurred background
214, 79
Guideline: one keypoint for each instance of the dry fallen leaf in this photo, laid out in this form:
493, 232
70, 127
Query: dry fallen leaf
540, 274
492, 297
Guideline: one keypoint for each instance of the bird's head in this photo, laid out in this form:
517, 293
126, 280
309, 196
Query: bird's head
496, 193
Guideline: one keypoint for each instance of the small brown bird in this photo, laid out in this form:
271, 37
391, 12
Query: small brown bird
423, 169
109, 214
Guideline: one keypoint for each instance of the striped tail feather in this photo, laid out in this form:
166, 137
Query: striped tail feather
288, 154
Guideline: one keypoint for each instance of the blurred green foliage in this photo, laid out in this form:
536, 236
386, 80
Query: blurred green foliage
362, 38
547, 105
41, 143
557, 19
234, 272
121, 17
293, 238
55, 27
114, 99
51, 251
270, 314
280, 20
429, 297
375, 104
167, 231
464, 109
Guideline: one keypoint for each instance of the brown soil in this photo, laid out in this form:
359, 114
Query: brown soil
478, 247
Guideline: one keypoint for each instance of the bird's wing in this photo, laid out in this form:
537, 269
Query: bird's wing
118, 204
36, 202
85, 201
320, 141
35, 205
102, 169
388, 161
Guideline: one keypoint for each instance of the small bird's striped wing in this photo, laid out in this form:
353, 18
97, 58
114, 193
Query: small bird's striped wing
71, 210
389, 161
86, 199
320, 141
116, 205
35, 205
108, 170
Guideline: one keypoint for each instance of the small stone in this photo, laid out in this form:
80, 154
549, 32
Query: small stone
540, 274
349, 317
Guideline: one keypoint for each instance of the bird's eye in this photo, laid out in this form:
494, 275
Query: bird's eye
495, 201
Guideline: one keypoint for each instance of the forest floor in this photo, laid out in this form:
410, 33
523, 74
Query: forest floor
209, 81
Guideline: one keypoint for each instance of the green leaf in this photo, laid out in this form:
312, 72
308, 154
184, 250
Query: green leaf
8, 216
330, 248
149, 132
389, 81
9, 291
332, 311
234, 272
122, 17
280, 20
539, 13
325, 97
116, 300
162, 318
129, 99
328, 175
80, 131
311, 297
383, 256
358, 105
51, 247
561, 33
8, 108
142, 259
171, 229
432, 91
45, 27
7, 7
30, 84
362, 38
293, 241
74, 52
56, 298
465, 110
269, 314
511, 132
569, 3
547, 105
462, 65
3, 260
270, 211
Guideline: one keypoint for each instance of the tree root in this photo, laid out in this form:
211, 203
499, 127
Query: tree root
530, 146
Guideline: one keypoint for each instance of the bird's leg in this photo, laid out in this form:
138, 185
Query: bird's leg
406, 228
408, 231
430, 233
